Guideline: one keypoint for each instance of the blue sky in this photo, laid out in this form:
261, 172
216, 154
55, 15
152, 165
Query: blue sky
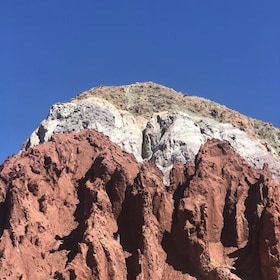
226, 51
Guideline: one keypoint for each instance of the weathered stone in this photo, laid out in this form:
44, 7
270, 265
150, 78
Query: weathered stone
93, 113
152, 121
94, 212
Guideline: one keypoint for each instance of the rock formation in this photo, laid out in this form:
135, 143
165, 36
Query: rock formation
78, 207
142, 182
152, 121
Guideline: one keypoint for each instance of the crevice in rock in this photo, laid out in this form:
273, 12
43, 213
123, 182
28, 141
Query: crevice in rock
90, 260
248, 263
58, 276
229, 232
146, 149
73, 275
41, 133
130, 222
245, 265
133, 266
172, 256
4, 210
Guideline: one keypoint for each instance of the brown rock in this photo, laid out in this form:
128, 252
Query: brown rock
224, 210
78, 207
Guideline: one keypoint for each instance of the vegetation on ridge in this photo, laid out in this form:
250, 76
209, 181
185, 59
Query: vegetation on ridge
143, 99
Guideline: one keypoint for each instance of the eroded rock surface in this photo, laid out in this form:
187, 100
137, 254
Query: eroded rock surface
78, 207
153, 121
94, 113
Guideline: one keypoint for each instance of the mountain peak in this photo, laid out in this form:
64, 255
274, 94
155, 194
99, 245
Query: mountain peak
142, 182
154, 121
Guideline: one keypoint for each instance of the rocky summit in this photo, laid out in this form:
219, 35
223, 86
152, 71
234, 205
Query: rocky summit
158, 123
142, 182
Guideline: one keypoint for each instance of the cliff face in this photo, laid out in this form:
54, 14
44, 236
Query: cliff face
78, 207
158, 123
142, 182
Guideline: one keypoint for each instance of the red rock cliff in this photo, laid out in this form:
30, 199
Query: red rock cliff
78, 207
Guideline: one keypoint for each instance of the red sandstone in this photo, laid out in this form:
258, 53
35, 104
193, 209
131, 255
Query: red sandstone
78, 207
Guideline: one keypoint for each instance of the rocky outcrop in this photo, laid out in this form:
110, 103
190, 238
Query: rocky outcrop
78, 207
222, 207
170, 138
144, 99
94, 113
152, 121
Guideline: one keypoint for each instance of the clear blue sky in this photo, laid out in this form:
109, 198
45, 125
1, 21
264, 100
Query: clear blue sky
226, 51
